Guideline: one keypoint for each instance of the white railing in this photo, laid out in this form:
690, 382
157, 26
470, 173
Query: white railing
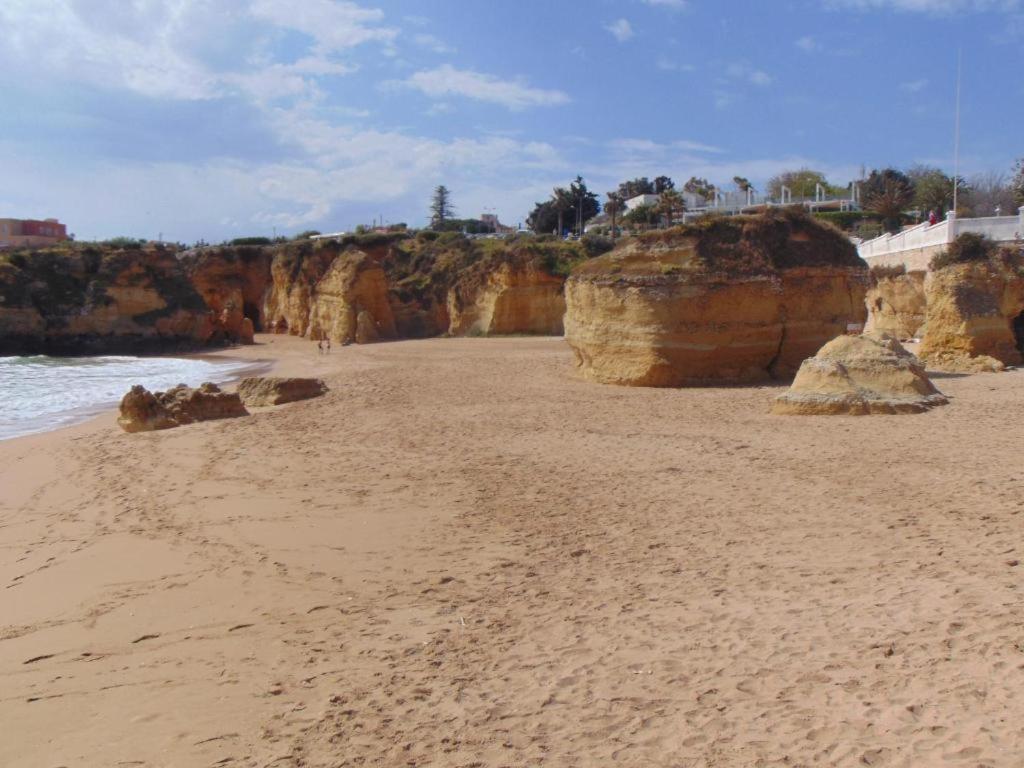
999, 228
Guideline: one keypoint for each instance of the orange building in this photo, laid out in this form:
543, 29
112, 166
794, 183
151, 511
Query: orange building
31, 232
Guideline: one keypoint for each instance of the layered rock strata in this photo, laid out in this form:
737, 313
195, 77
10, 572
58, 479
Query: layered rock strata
897, 305
859, 375
513, 298
975, 317
738, 300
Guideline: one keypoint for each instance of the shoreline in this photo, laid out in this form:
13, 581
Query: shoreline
74, 417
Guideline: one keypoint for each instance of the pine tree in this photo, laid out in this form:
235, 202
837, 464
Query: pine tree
440, 207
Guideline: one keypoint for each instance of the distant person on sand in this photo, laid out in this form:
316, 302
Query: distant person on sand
932, 219
320, 346
328, 346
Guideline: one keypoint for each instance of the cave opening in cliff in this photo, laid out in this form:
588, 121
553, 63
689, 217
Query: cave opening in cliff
1018, 332
251, 311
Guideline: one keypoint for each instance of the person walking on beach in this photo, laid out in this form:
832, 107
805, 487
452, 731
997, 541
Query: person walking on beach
320, 346
327, 348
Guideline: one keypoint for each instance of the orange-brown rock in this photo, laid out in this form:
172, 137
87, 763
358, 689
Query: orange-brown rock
513, 297
76, 300
975, 321
897, 304
859, 375
258, 391
145, 411
738, 299
350, 302
233, 281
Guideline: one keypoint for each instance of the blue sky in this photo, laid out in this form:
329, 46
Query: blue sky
218, 118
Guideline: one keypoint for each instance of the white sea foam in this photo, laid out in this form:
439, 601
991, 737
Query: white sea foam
42, 393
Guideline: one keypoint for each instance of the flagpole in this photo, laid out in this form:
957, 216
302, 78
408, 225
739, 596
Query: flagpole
956, 140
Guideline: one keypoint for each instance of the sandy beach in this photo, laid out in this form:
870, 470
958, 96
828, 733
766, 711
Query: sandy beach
465, 556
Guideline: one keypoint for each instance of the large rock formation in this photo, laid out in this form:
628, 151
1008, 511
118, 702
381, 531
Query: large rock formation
975, 321
731, 300
513, 297
92, 300
233, 282
858, 375
897, 303
258, 391
145, 411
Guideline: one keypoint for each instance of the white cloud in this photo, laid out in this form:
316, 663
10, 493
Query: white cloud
675, 5
445, 81
333, 24
432, 43
914, 86
808, 44
666, 64
754, 76
937, 7
621, 29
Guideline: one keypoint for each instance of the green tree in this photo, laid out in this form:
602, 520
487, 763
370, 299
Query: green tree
663, 184
1017, 185
702, 187
742, 184
634, 187
613, 208
888, 193
801, 183
989, 192
577, 204
641, 216
440, 207
933, 190
670, 203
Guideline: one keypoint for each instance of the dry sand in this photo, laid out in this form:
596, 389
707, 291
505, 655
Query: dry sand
463, 556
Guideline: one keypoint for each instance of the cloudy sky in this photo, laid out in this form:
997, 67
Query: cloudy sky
218, 118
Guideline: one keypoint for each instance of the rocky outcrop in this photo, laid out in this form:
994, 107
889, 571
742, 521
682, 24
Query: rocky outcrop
145, 411
515, 297
233, 282
734, 300
974, 317
897, 305
259, 391
325, 291
92, 301
859, 375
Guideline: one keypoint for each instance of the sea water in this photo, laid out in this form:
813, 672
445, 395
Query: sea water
40, 393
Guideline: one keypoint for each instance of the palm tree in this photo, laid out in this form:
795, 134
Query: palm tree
888, 192
670, 203
613, 208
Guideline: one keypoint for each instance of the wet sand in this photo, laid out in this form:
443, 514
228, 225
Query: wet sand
464, 556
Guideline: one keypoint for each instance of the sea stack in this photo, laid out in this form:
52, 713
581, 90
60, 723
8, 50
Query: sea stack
725, 301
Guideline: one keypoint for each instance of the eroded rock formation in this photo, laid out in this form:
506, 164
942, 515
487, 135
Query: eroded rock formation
145, 411
89, 300
859, 375
258, 391
233, 282
733, 300
974, 317
897, 304
513, 297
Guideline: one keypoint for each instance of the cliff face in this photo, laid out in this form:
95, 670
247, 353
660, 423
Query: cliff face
738, 300
897, 305
233, 281
974, 317
350, 302
515, 297
96, 301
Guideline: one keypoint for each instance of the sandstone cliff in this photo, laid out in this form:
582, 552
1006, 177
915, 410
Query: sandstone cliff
513, 297
974, 316
90, 300
897, 304
233, 281
741, 299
